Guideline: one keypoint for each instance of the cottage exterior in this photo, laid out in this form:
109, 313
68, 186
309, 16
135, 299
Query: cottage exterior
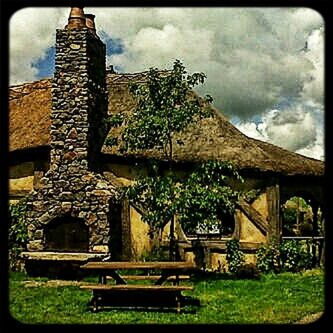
59, 160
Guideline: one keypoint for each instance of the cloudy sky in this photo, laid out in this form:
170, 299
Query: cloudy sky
264, 66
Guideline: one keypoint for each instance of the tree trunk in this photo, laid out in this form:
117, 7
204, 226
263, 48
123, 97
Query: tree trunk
172, 241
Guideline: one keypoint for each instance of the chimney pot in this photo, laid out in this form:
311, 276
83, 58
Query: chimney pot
90, 22
76, 18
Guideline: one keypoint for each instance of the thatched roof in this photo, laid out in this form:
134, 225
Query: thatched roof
213, 138
29, 115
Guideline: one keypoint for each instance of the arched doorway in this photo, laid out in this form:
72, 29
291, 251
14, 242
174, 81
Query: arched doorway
303, 221
67, 234
301, 216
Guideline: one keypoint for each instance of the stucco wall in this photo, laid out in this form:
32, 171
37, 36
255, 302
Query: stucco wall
20, 180
140, 240
248, 231
21, 184
125, 173
19, 187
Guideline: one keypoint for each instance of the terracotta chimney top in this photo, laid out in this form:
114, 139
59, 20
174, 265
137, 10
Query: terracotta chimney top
76, 18
90, 22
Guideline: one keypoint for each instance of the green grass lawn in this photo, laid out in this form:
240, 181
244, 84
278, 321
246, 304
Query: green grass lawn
278, 299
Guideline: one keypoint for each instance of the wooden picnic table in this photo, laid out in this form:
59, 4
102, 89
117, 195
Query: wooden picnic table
152, 293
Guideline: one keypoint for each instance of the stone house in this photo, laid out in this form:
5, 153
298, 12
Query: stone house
60, 163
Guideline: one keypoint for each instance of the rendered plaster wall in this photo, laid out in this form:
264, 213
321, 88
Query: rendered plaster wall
21, 184
248, 231
140, 241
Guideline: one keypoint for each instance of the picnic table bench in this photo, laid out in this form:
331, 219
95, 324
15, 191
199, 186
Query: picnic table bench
138, 295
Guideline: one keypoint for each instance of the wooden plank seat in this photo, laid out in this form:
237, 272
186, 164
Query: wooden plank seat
172, 278
136, 295
138, 287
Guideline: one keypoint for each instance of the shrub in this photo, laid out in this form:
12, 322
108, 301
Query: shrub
235, 257
293, 257
268, 258
288, 256
17, 233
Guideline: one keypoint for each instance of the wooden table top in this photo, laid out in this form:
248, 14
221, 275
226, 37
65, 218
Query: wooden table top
109, 265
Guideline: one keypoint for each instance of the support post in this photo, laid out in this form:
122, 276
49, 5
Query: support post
126, 230
273, 203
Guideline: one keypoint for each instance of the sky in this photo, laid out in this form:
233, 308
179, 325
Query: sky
264, 66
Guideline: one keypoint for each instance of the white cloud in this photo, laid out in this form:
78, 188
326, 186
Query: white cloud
292, 129
31, 32
296, 128
250, 58
314, 89
254, 58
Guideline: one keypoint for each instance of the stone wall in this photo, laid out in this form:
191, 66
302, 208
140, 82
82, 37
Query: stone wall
72, 187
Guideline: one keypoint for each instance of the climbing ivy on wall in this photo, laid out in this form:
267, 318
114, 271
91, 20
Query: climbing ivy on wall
235, 256
17, 232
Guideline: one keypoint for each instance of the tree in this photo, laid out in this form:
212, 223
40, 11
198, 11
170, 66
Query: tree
165, 106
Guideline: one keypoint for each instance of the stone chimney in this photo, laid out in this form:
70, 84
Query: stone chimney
72, 192
79, 94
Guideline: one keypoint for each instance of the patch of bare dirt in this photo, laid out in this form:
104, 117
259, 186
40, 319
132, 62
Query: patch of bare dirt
51, 283
310, 318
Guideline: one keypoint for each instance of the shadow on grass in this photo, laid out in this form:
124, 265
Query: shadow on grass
142, 302
107, 308
216, 276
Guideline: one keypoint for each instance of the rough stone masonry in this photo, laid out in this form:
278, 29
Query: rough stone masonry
72, 188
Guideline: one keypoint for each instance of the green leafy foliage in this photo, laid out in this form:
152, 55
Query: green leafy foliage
289, 220
156, 195
18, 231
206, 196
157, 253
165, 106
296, 217
294, 257
235, 257
268, 258
251, 195
289, 256
116, 120
112, 141
202, 199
